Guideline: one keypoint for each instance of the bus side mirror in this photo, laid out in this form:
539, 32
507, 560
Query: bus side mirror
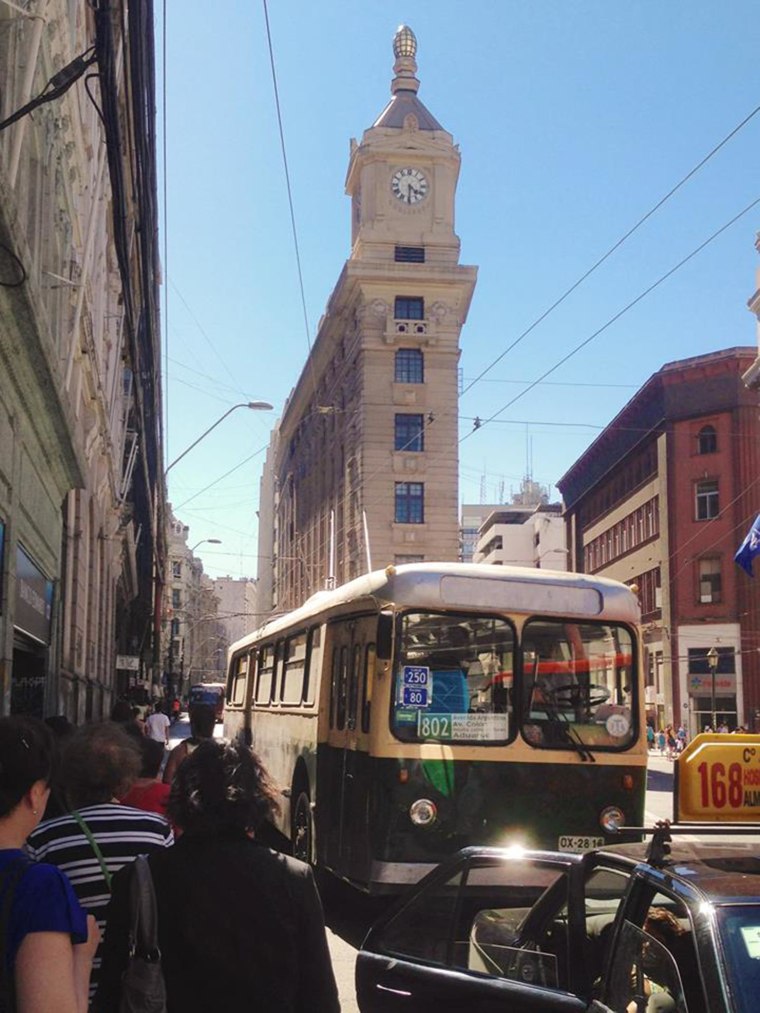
385, 636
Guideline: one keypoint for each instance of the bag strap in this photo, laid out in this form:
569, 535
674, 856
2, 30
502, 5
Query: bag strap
9, 880
144, 910
107, 876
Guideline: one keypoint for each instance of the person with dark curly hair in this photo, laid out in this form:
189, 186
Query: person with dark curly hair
92, 842
240, 927
48, 942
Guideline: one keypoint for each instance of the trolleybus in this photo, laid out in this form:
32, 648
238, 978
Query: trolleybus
426, 707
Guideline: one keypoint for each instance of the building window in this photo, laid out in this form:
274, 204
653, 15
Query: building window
400, 560
409, 367
707, 440
410, 255
707, 500
410, 503
709, 580
176, 598
409, 307
409, 433
176, 569
175, 627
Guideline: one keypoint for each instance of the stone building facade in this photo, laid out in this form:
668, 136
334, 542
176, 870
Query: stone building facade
81, 500
662, 499
365, 470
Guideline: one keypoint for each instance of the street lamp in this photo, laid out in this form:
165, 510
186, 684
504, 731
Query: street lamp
712, 661
261, 406
206, 541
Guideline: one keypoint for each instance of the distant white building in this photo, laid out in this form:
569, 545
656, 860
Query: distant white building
472, 516
237, 606
523, 536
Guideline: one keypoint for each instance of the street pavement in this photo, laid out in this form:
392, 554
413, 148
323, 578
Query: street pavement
659, 805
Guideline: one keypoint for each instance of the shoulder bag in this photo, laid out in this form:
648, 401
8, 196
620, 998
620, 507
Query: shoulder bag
143, 989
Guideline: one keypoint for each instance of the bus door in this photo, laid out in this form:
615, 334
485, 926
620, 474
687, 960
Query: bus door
353, 642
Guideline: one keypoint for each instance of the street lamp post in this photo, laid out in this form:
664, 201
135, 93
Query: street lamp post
206, 541
262, 406
712, 661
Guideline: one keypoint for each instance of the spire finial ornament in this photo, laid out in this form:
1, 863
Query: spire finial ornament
405, 67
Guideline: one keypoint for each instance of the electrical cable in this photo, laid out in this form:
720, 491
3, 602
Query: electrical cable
17, 262
613, 248
58, 85
289, 191
618, 315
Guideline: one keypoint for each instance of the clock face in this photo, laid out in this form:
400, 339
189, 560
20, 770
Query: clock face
410, 186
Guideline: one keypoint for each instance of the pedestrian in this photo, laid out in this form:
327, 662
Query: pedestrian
650, 737
661, 741
157, 724
202, 723
239, 925
48, 940
176, 709
670, 738
148, 792
92, 842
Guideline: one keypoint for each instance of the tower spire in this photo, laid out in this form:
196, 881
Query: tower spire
405, 67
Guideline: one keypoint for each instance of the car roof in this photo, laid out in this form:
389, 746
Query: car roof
716, 872
722, 873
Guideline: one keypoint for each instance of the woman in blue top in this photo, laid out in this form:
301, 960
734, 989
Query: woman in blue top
47, 940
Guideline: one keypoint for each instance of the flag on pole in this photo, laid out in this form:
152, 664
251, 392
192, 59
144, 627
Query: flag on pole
749, 548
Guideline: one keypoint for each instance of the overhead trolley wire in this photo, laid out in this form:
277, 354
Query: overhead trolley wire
642, 295
634, 228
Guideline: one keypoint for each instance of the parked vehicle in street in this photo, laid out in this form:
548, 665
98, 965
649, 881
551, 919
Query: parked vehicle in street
629, 929
430, 706
210, 693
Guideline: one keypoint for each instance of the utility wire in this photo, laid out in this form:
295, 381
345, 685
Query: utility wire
290, 192
618, 315
58, 85
612, 249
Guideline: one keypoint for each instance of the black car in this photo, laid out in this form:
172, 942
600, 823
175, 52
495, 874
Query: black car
497, 929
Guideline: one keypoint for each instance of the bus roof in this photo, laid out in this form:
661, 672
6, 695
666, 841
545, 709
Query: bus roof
470, 586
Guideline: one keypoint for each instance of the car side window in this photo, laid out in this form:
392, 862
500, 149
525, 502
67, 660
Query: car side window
644, 976
503, 919
656, 963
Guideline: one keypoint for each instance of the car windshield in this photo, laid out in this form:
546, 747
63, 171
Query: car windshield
739, 928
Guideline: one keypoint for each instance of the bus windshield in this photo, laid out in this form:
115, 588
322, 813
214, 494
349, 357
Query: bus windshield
454, 678
464, 678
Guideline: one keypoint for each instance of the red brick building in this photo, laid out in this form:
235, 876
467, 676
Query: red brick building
663, 498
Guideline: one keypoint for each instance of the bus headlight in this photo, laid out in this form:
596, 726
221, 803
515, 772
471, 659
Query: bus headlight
423, 812
612, 818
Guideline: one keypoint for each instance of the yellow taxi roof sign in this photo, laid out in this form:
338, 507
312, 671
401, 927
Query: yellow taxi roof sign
717, 778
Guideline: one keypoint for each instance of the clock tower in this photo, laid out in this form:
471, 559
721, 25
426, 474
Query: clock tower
365, 471
402, 176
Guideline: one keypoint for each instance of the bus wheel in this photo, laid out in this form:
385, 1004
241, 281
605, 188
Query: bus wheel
303, 828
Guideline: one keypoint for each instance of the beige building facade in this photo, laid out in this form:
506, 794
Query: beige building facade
81, 490
365, 468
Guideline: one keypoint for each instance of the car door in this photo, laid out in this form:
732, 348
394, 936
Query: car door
488, 932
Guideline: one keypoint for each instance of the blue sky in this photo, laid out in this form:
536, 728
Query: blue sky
574, 119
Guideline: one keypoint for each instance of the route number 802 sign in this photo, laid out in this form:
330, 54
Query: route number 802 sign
718, 778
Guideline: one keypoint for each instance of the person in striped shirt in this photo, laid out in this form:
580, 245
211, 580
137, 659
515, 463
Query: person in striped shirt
99, 836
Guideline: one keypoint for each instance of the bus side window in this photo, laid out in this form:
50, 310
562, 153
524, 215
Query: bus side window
313, 665
265, 675
335, 687
353, 685
370, 657
342, 688
293, 670
237, 681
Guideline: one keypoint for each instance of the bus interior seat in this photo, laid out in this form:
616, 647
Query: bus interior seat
449, 692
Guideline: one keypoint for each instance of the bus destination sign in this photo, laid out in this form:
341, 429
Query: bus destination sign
718, 779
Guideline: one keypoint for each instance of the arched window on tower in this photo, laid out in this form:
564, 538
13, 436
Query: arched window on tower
707, 440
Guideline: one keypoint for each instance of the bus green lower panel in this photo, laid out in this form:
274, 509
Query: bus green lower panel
363, 807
